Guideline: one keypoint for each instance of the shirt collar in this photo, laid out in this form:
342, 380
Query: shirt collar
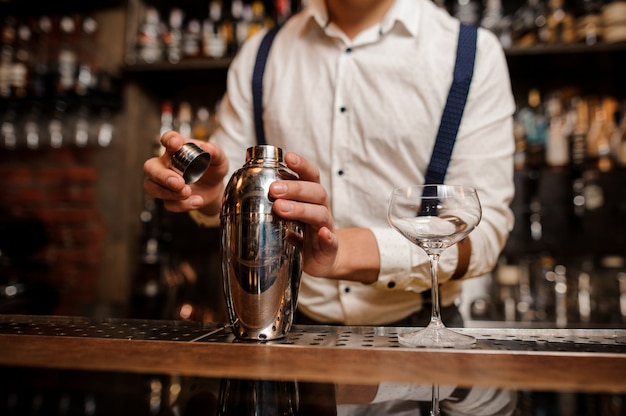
403, 12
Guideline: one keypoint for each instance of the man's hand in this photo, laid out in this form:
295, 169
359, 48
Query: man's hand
163, 183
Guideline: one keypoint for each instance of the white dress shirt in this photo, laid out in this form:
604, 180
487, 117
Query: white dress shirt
366, 111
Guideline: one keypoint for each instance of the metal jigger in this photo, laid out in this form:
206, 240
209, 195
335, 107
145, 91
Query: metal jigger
190, 161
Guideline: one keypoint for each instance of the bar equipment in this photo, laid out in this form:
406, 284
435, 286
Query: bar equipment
260, 256
190, 161
434, 217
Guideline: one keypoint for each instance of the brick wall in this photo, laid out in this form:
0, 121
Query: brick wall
57, 187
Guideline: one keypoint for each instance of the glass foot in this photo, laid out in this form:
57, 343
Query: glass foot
435, 336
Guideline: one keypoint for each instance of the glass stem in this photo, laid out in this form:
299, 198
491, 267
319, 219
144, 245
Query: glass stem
434, 408
435, 317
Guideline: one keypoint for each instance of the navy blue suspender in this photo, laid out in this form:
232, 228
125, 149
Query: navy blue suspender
257, 83
455, 105
452, 114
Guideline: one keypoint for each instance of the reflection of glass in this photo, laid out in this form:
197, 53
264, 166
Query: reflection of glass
434, 217
258, 397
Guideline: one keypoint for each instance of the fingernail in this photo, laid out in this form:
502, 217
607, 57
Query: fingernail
286, 206
294, 159
195, 202
279, 188
173, 181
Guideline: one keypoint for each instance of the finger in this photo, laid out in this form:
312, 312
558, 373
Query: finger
302, 191
306, 170
155, 190
184, 205
155, 170
315, 215
172, 141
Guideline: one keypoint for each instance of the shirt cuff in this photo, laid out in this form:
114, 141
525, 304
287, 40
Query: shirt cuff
405, 266
400, 263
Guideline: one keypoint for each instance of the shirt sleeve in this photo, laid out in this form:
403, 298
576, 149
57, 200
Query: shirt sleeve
405, 266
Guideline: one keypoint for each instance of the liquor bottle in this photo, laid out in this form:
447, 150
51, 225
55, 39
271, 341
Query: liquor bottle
532, 118
214, 41
173, 36
8, 135
86, 78
192, 40
148, 295
21, 62
67, 59
56, 130
282, 9
167, 117
239, 26
557, 146
42, 33
183, 121
598, 149
81, 127
529, 24
618, 140
149, 48
6, 55
31, 127
202, 124
578, 140
560, 23
106, 128
493, 19
258, 18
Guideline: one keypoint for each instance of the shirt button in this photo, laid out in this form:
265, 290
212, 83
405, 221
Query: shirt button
391, 285
346, 290
348, 50
342, 109
340, 172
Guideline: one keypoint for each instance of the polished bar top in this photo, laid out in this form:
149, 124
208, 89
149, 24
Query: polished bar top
585, 360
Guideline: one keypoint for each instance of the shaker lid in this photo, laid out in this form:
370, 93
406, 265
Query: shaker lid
257, 154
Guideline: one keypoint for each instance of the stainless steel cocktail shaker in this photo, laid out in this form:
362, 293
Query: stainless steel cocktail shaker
261, 252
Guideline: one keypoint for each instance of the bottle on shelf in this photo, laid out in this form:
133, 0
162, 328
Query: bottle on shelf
183, 120
173, 36
86, 78
22, 62
559, 23
532, 118
213, 36
192, 40
106, 129
149, 48
56, 130
202, 128
42, 59
7, 52
493, 19
559, 130
8, 133
67, 59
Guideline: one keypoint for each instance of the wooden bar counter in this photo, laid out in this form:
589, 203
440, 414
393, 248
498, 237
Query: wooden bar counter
581, 360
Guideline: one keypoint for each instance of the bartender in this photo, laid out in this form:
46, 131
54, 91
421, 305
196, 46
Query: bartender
355, 91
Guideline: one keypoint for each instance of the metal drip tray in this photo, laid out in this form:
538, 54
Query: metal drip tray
542, 340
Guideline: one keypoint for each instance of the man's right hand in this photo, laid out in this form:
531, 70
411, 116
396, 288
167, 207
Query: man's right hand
163, 183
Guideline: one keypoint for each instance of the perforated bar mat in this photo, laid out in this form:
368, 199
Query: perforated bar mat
550, 340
